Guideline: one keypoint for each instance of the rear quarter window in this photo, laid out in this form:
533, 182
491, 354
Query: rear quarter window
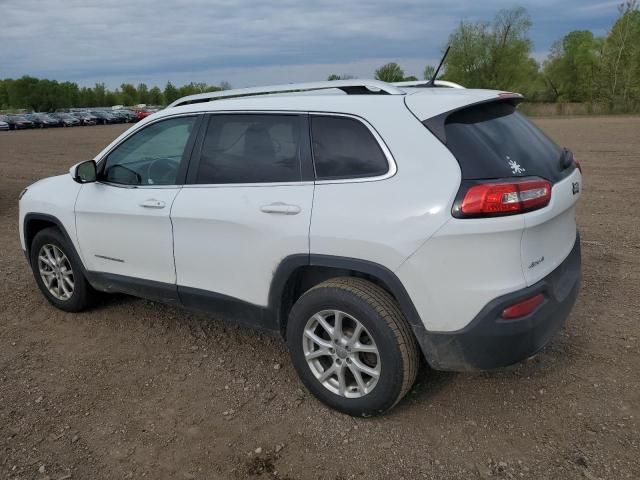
493, 140
345, 148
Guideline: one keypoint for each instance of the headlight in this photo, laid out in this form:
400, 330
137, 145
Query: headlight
22, 193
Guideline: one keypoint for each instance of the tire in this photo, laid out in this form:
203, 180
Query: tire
383, 328
82, 294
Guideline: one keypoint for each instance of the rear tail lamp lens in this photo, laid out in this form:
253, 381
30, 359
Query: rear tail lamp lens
505, 197
523, 308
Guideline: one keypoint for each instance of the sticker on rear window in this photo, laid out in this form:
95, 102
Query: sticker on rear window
516, 169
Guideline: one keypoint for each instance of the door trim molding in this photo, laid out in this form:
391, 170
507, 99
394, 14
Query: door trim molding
221, 306
138, 287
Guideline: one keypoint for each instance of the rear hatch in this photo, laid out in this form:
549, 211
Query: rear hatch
495, 145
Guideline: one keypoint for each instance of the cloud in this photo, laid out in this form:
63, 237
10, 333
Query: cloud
244, 42
601, 7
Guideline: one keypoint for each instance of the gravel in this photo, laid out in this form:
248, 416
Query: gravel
148, 385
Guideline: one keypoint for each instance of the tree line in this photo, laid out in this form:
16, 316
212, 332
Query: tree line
44, 95
581, 67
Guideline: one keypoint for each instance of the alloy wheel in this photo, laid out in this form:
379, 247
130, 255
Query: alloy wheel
341, 353
56, 272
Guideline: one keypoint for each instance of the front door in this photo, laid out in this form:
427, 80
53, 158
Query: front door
123, 220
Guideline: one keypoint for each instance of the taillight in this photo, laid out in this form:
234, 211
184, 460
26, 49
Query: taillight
523, 307
504, 197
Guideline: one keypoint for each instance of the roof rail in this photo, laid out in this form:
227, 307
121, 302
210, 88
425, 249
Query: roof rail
348, 86
423, 83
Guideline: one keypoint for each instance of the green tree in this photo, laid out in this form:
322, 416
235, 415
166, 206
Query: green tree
335, 76
111, 98
128, 94
493, 55
429, 70
155, 96
86, 97
192, 89
100, 92
4, 93
391, 72
68, 95
24, 92
143, 93
170, 93
620, 81
572, 68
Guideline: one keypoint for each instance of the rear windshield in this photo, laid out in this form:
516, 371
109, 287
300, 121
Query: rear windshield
493, 140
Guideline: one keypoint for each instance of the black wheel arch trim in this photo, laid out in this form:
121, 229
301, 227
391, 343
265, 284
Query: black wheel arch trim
44, 217
389, 279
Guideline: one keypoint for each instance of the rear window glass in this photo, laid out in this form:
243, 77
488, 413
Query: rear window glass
345, 148
493, 140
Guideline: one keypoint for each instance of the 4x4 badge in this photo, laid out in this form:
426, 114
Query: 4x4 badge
575, 187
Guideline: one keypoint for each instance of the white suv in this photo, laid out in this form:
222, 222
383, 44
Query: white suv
363, 221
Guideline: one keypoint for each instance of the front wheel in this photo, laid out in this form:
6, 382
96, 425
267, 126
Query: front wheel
57, 272
352, 347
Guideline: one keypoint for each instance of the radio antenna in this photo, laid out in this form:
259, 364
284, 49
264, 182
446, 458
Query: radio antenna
432, 82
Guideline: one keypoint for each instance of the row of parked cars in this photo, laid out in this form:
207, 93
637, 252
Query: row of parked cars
71, 119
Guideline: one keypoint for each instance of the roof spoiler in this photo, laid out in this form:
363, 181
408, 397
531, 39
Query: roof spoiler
437, 124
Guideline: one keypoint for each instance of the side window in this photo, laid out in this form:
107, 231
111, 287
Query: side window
345, 148
251, 148
150, 156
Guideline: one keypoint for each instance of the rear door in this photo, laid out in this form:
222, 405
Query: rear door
246, 206
493, 140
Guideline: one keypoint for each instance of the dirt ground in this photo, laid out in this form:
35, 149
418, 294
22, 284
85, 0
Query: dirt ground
135, 389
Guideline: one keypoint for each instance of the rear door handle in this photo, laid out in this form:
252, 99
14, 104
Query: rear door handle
152, 203
281, 208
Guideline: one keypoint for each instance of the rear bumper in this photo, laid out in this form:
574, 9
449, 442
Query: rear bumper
491, 342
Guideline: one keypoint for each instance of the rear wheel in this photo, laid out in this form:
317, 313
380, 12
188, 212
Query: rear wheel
57, 272
352, 347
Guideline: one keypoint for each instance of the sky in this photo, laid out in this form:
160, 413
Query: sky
249, 43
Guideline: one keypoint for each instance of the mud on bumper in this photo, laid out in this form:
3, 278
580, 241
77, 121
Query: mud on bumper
490, 341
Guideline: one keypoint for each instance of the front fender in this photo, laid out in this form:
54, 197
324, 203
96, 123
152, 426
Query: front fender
53, 197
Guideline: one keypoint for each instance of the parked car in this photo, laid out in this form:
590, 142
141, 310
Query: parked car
443, 223
85, 118
103, 117
126, 115
122, 118
43, 120
17, 122
67, 119
142, 114
3, 125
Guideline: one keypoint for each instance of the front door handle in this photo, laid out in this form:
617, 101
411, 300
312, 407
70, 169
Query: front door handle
152, 203
281, 208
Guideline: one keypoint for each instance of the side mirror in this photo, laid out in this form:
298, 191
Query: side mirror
84, 172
